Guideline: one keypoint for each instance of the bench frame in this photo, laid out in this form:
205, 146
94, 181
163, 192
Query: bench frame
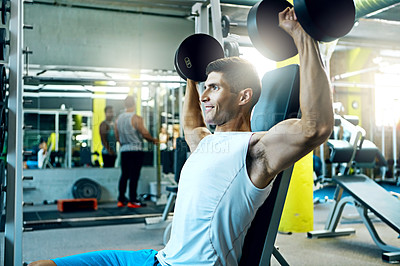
392, 253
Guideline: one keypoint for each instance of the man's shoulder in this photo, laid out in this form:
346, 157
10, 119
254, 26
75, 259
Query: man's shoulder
103, 124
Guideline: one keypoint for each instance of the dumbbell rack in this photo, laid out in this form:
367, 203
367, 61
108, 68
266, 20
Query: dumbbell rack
14, 167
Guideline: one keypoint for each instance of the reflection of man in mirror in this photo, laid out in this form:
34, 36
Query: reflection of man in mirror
130, 132
42, 152
108, 139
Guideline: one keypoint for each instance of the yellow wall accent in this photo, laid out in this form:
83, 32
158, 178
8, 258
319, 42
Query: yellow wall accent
356, 61
298, 212
98, 117
138, 101
52, 140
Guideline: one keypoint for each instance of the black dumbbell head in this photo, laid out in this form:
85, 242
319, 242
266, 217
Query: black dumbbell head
195, 53
325, 20
264, 31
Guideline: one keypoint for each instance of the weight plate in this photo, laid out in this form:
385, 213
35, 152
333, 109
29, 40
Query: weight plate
225, 25
195, 53
231, 48
3, 84
4, 12
325, 20
3, 126
2, 182
264, 31
3, 43
86, 188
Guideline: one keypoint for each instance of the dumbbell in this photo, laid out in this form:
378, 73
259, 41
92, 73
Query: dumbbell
194, 54
323, 20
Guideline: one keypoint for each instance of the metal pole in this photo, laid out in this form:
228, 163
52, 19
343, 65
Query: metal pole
394, 150
201, 20
166, 106
180, 100
57, 129
157, 157
216, 21
173, 116
13, 223
69, 138
383, 141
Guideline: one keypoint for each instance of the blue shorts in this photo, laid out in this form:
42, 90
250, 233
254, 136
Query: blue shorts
145, 257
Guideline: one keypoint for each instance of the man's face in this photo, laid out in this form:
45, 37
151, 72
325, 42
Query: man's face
109, 114
219, 102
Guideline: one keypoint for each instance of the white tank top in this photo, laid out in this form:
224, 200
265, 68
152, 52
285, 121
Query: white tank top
215, 205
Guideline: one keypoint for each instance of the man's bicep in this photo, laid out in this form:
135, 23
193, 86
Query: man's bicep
283, 145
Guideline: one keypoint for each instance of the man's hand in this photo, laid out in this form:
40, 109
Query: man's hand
288, 21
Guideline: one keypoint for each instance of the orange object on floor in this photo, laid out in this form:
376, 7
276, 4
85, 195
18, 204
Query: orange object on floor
120, 204
68, 205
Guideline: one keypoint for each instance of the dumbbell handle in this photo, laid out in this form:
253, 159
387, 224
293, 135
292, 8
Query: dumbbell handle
28, 27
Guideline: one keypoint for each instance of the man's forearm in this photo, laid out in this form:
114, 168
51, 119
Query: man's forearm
192, 112
315, 94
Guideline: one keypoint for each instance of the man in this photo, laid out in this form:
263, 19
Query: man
130, 131
230, 173
107, 135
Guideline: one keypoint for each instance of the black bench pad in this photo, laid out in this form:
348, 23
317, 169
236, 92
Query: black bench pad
373, 196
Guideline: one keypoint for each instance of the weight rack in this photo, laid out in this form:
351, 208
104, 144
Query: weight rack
12, 16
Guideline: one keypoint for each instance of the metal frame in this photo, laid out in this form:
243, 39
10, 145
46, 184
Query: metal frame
13, 223
269, 244
202, 24
334, 218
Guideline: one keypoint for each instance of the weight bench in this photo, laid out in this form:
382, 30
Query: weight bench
366, 195
279, 100
181, 153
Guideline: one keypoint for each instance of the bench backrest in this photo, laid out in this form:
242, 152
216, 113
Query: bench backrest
279, 100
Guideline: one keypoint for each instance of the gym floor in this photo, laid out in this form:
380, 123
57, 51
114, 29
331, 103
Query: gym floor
358, 249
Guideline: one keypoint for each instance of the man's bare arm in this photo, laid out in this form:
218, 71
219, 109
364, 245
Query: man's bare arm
103, 136
290, 140
194, 127
116, 131
138, 123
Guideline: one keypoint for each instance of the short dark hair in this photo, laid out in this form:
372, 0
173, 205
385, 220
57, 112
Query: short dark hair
107, 107
239, 74
129, 101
